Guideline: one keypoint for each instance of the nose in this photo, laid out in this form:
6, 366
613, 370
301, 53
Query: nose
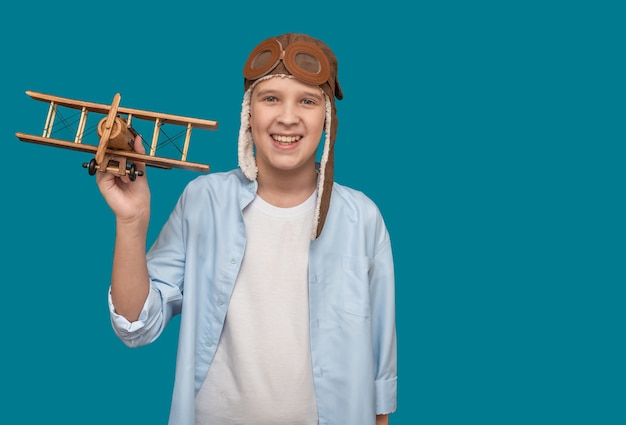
288, 114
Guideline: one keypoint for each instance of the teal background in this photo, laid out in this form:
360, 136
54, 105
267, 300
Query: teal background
490, 134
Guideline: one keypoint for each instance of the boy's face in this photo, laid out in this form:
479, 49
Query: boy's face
287, 121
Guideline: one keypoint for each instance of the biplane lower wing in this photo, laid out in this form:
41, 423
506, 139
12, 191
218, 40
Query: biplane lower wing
159, 162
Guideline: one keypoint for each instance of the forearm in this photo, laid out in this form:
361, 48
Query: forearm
130, 282
382, 419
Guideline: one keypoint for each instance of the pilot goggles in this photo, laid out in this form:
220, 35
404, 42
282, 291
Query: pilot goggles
303, 60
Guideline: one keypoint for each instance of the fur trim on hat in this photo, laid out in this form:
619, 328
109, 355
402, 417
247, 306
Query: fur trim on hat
245, 148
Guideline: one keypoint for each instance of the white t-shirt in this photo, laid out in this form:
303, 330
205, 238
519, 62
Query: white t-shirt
261, 373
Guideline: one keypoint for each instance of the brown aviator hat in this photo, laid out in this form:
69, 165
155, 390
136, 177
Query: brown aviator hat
312, 62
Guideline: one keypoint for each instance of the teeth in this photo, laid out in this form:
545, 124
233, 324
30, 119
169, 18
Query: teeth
286, 139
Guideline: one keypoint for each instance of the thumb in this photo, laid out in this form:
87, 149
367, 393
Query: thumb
139, 147
138, 144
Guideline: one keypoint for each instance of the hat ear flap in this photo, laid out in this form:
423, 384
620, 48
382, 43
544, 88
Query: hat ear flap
326, 171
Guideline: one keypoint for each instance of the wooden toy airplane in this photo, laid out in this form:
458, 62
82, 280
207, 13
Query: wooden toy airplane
114, 152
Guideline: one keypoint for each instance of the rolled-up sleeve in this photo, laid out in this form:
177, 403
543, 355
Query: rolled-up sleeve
145, 329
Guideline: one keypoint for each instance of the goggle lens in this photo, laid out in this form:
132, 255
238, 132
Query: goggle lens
307, 63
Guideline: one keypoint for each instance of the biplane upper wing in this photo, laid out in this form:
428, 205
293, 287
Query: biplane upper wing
111, 111
102, 108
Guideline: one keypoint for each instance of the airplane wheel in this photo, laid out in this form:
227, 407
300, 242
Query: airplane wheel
132, 173
92, 167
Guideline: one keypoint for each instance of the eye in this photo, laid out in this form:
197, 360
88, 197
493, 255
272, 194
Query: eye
270, 99
309, 102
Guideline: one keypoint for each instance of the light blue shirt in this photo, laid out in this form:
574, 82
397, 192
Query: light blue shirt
197, 257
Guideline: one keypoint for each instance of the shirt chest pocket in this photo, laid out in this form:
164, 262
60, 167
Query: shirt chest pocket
355, 285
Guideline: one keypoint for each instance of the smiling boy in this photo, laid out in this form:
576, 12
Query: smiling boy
283, 278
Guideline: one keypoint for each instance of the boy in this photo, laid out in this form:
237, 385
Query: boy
287, 277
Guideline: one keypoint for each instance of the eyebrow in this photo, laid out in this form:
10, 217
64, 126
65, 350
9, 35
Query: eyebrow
306, 93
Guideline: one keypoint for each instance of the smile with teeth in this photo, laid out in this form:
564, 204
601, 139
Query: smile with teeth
286, 140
